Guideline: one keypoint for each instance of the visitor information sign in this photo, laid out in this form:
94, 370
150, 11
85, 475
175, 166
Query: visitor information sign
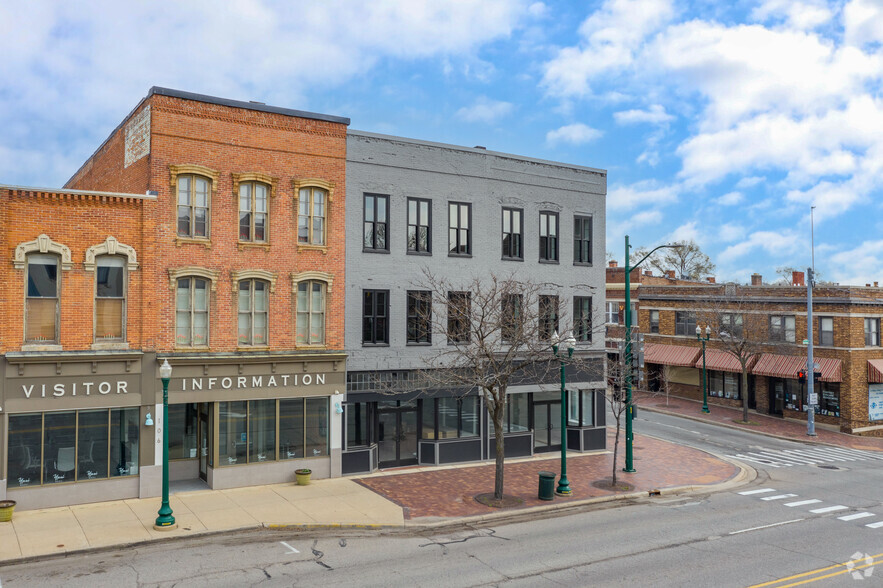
875, 402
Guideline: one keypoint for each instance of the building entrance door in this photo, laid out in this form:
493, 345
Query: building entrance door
203, 438
546, 422
397, 433
777, 396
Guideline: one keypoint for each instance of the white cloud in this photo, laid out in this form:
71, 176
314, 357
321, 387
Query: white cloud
686, 232
655, 115
731, 232
776, 244
609, 39
749, 182
538, 9
575, 134
863, 22
806, 14
640, 194
731, 199
485, 110
646, 217
862, 264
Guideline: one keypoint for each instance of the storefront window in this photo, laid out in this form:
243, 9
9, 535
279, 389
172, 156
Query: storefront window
580, 408
232, 434
182, 431
316, 427
69, 446
261, 430
723, 384
291, 428
429, 418
357, 425
469, 407
447, 418
123, 442
515, 420
59, 447
92, 445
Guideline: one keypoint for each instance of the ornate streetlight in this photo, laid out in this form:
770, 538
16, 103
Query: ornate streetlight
165, 520
704, 373
569, 343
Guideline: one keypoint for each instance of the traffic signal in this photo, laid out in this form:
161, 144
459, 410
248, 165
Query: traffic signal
816, 377
801, 376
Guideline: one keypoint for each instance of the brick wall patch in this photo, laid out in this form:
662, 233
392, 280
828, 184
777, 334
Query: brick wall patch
138, 136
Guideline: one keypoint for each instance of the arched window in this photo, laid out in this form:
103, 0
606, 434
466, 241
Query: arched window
253, 312
311, 215
191, 311
42, 296
253, 212
110, 298
311, 312
194, 205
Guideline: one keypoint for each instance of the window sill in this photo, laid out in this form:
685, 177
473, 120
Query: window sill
423, 253
111, 346
252, 348
550, 261
583, 263
367, 250
41, 347
249, 245
313, 346
364, 344
207, 243
459, 254
304, 247
416, 344
504, 258
192, 348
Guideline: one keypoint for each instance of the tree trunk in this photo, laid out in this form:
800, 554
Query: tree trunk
615, 447
497, 415
744, 394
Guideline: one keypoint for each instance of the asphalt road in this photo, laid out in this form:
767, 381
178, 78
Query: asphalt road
759, 533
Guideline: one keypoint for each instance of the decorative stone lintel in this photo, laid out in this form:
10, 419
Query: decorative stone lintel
253, 274
311, 275
42, 244
191, 270
110, 247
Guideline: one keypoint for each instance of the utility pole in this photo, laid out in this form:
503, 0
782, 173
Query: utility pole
810, 364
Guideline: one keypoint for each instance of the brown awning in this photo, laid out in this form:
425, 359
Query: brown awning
875, 371
670, 354
721, 361
787, 366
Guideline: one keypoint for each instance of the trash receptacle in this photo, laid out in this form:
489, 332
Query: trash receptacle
547, 486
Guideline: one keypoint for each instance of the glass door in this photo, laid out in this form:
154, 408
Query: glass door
397, 431
203, 437
777, 396
547, 421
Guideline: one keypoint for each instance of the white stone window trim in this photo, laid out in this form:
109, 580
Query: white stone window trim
110, 247
42, 244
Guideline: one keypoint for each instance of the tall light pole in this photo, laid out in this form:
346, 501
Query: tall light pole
704, 373
165, 520
569, 344
629, 410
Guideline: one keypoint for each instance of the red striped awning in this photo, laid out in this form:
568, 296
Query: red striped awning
786, 366
670, 354
875, 371
721, 361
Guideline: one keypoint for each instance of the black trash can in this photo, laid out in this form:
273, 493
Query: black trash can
547, 486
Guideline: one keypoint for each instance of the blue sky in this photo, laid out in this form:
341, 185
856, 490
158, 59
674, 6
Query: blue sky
722, 122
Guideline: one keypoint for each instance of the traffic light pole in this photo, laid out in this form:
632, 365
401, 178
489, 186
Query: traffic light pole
810, 364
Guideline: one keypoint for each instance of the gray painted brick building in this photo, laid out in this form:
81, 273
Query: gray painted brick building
478, 192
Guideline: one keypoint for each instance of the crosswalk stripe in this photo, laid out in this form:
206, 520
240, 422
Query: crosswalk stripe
779, 497
859, 515
828, 509
760, 491
778, 460
805, 456
781, 456
803, 502
766, 462
848, 456
813, 455
876, 525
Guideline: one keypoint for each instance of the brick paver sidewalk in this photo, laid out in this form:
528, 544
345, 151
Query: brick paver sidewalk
763, 423
451, 492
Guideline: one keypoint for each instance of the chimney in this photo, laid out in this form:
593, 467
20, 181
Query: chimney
648, 272
875, 285
756, 280
797, 279
710, 279
611, 264
670, 274
867, 285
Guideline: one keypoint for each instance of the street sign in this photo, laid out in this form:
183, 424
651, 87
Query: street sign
813, 398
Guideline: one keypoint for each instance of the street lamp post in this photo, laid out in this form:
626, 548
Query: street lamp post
569, 343
630, 411
165, 520
704, 372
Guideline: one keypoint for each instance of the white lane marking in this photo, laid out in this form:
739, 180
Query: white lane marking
774, 454
876, 525
293, 550
765, 527
765, 462
779, 497
859, 515
760, 491
802, 502
809, 453
827, 509
679, 428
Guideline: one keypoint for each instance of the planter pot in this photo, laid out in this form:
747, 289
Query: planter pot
6, 508
302, 476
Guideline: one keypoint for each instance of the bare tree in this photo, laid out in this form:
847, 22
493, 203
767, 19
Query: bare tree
499, 330
687, 260
616, 398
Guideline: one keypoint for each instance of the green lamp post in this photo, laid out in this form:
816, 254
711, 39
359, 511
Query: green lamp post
704, 372
629, 412
569, 343
165, 520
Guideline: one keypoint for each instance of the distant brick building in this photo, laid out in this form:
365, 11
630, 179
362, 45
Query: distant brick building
846, 342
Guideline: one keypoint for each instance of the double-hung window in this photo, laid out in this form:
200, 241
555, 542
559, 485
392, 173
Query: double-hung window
310, 313
782, 328
582, 240
193, 206
43, 288
311, 216
548, 316
253, 312
548, 236
459, 313
459, 228
513, 229
582, 318
376, 223
826, 330
872, 332
685, 323
375, 317
512, 318
191, 312
419, 320
654, 321
731, 325
110, 298
419, 225
613, 314
253, 212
